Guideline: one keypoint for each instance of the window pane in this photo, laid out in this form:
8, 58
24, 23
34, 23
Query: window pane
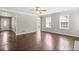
64, 22
5, 23
48, 22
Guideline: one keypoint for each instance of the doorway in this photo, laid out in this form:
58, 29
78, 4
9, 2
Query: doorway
7, 34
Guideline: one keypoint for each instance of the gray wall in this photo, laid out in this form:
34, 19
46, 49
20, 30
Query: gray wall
25, 24
74, 23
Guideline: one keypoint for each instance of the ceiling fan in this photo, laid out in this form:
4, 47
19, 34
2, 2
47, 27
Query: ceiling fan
40, 10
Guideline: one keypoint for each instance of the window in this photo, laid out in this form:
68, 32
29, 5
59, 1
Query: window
64, 22
5, 23
48, 22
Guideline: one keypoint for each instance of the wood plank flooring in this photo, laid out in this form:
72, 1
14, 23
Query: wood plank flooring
44, 41
7, 40
37, 41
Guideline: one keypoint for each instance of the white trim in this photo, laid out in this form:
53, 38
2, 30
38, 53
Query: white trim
67, 34
24, 33
63, 33
14, 11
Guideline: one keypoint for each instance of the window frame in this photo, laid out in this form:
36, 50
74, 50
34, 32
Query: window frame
64, 19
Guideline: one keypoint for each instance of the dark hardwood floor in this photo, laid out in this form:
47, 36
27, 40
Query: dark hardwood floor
44, 41
39, 41
7, 40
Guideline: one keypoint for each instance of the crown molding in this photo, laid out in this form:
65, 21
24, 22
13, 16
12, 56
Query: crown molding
19, 12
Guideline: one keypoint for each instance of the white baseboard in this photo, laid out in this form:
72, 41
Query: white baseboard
65, 34
47, 31
24, 33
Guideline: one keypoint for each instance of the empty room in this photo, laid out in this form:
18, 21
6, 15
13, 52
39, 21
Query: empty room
39, 28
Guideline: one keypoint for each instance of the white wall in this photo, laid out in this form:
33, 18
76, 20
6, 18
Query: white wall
74, 23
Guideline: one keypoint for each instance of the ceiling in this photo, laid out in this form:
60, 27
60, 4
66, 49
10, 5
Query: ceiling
30, 10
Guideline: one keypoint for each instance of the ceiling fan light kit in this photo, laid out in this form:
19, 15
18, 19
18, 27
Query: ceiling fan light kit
40, 10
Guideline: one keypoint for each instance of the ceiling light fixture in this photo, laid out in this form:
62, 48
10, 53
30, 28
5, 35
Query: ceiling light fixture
40, 10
